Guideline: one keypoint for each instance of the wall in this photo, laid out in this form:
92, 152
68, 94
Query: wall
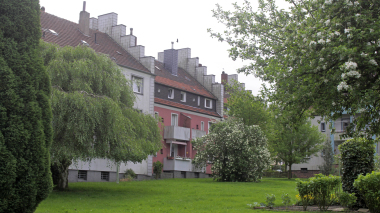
196, 118
145, 100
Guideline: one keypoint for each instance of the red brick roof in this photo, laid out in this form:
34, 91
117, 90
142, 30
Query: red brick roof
186, 107
183, 81
69, 35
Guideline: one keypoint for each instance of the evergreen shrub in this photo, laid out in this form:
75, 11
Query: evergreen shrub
357, 157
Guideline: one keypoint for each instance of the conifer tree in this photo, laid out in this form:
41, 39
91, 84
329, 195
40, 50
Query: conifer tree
25, 113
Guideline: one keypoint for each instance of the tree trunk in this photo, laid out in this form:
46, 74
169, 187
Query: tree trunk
60, 173
290, 171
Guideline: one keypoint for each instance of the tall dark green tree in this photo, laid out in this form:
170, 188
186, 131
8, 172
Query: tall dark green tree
93, 115
25, 113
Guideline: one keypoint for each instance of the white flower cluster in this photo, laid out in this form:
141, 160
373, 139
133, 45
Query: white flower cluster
321, 41
327, 22
373, 62
363, 54
328, 2
313, 43
343, 86
350, 65
346, 30
353, 73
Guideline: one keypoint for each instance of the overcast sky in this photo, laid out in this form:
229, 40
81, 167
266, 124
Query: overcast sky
157, 23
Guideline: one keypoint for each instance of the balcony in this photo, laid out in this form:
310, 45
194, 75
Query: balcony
195, 133
340, 129
177, 164
196, 169
177, 133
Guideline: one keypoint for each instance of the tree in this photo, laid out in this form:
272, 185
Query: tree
92, 111
295, 142
328, 158
251, 109
238, 152
319, 53
25, 113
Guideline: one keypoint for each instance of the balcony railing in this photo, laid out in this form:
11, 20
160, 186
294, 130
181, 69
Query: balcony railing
195, 133
177, 164
177, 133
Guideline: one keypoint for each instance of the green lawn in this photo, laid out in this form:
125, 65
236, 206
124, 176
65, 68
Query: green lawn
169, 195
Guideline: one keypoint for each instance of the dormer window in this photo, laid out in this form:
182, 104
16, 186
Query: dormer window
208, 103
171, 93
183, 96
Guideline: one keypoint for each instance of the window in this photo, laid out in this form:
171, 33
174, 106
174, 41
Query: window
208, 103
303, 170
171, 93
82, 175
183, 96
202, 126
174, 120
209, 125
137, 84
105, 176
323, 127
199, 100
156, 115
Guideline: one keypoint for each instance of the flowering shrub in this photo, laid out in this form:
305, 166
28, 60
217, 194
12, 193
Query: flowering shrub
286, 200
237, 152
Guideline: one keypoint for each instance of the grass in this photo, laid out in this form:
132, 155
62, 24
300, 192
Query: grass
169, 195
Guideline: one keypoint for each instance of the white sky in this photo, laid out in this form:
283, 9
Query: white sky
157, 23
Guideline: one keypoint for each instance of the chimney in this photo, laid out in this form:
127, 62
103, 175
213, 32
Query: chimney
84, 20
42, 9
224, 78
171, 61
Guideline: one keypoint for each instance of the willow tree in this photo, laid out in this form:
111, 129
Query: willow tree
93, 115
319, 53
25, 113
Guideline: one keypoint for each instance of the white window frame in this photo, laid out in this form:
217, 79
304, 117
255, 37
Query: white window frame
171, 96
208, 107
175, 123
137, 88
209, 125
324, 127
183, 96
202, 126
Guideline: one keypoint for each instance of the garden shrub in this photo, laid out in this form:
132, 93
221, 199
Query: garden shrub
324, 189
346, 199
129, 173
270, 200
320, 190
304, 193
357, 156
157, 168
369, 187
286, 200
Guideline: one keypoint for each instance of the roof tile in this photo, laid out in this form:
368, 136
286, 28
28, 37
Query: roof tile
69, 35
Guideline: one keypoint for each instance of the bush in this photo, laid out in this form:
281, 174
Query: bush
238, 152
357, 158
286, 200
369, 187
270, 201
324, 189
346, 199
129, 173
320, 189
157, 168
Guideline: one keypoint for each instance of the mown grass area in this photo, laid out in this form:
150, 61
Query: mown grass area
169, 195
